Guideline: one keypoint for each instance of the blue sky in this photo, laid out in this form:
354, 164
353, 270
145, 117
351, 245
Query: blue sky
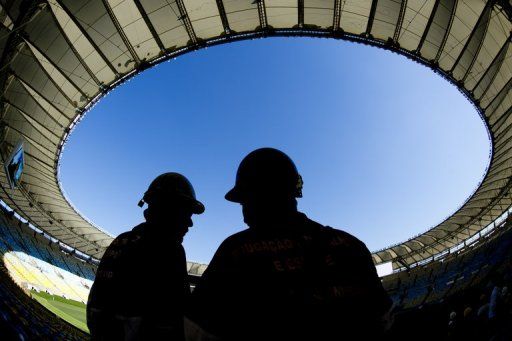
386, 148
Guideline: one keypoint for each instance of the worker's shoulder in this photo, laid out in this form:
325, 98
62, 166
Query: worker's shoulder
126, 238
344, 237
339, 238
237, 237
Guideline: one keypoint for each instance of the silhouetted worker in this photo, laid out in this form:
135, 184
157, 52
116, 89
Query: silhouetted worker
286, 277
141, 284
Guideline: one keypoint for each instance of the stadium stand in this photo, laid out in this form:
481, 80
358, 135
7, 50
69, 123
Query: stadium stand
22, 318
36, 263
426, 295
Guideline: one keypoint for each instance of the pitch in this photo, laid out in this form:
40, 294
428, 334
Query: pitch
71, 311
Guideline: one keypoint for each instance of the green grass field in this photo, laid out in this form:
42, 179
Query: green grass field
70, 311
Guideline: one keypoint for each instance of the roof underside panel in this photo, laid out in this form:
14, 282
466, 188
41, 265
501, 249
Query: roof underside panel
415, 22
205, 19
12, 8
51, 48
242, 15
58, 76
33, 74
466, 17
133, 27
4, 33
355, 16
435, 34
94, 20
168, 23
492, 43
282, 13
29, 107
385, 20
319, 13
84, 48
472, 47
488, 76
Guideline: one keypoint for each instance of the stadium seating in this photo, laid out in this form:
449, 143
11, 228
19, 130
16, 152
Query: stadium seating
24, 319
35, 263
437, 281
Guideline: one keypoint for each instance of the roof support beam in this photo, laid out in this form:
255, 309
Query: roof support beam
482, 20
497, 169
502, 152
494, 68
369, 25
496, 127
120, 30
400, 21
150, 25
504, 132
446, 33
262, 13
224, 17
300, 13
484, 191
498, 99
427, 28
336, 20
186, 21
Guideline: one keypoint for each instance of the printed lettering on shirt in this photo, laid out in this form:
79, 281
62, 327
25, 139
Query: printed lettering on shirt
289, 264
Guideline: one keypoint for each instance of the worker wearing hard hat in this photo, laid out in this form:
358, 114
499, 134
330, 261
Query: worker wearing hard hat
148, 259
286, 277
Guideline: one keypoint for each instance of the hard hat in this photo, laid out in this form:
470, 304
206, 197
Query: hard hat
266, 172
172, 186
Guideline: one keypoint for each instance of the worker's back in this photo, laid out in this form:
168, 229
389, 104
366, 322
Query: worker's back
302, 281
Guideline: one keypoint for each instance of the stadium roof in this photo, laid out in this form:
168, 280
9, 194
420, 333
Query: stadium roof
58, 57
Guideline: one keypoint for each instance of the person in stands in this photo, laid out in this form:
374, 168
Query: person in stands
286, 277
122, 304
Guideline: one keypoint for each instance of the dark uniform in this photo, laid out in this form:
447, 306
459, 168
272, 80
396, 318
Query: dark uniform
141, 288
296, 282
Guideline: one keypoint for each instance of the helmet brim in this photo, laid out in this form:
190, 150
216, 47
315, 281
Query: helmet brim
197, 207
233, 195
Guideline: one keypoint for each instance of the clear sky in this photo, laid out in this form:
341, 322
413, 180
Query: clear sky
386, 148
